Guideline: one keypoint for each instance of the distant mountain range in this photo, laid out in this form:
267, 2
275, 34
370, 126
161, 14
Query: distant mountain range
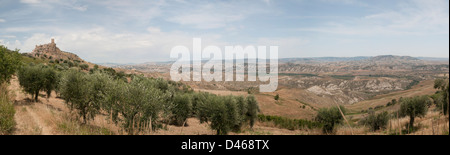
312, 60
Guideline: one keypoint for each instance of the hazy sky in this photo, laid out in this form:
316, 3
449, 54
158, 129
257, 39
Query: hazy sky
125, 31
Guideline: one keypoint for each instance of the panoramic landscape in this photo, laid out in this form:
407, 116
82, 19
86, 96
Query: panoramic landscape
388, 75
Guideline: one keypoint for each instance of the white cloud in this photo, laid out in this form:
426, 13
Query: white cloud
30, 1
7, 36
13, 45
417, 17
288, 47
52, 4
17, 29
79, 8
213, 15
206, 21
2, 20
101, 45
153, 30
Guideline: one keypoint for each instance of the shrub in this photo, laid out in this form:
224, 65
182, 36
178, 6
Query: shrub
329, 118
376, 121
414, 107
277, 97
84, 66
71, 64
290, 124
9, 63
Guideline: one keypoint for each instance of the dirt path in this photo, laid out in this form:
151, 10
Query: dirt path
31, 118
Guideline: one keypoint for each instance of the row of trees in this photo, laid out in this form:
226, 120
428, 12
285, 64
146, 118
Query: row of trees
227, 113
138, 103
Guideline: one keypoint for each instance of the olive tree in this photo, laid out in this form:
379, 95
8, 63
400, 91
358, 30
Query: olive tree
329, 117
219, 116
228, 113
376, 121
441, 97
252, 110
36, 78
414, 107
84, 92
9, 63
181, 109
242, 109
135, 105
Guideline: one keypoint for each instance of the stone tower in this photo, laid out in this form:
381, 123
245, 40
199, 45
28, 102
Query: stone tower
53, 41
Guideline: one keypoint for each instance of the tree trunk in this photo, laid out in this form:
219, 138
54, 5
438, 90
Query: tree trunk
411, 122
36, 96
84, 119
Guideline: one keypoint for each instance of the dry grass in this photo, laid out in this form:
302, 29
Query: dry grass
423, 88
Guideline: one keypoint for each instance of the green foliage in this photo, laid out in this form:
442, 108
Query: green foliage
83, 92
36, 78
181, 110
134, 105
441, 97
84, 66
221, 121
71, 64
329, 117
392, 103
113, 73
7, 122
27, 59
226, 113
277, 97
9, 63
343, 77
242, 109
414, 107
376, 121
253, 110
290, 124
202, 105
